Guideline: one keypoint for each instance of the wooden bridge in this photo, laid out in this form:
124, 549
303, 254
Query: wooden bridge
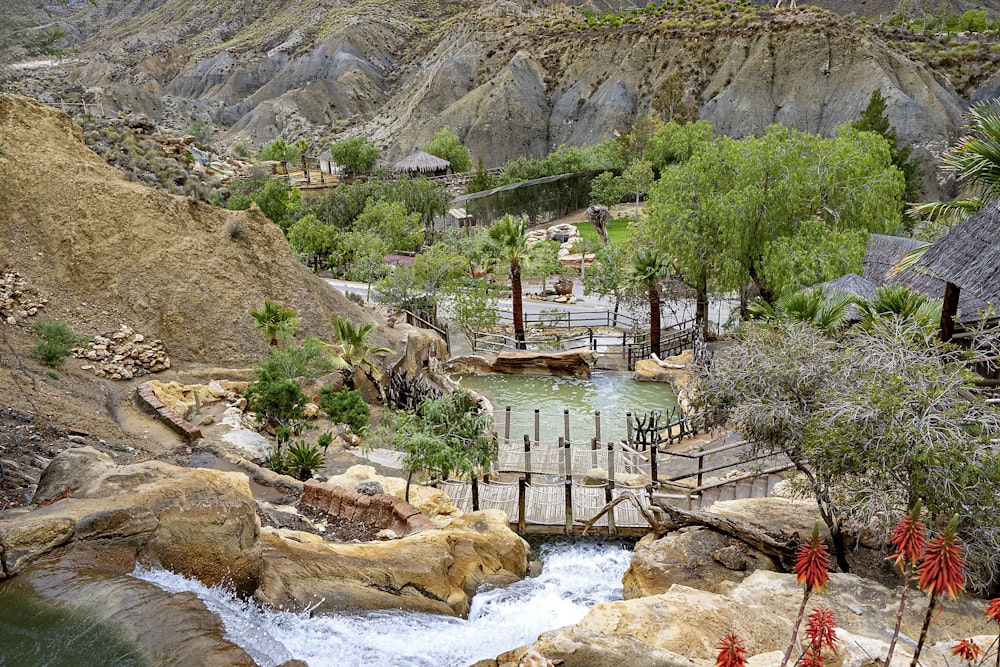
560, 488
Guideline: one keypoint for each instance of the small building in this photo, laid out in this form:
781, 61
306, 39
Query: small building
326, 163
422, 164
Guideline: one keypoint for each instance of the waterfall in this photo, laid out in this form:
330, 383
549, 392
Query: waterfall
577, 575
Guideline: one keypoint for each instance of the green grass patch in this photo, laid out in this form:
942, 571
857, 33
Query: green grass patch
617, 230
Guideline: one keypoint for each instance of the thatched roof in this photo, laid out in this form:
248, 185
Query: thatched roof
421, 162
852, 283
885, 252
969, 256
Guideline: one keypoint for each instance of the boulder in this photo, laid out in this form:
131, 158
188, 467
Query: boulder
788, 515
433, 503
699, 558
197, 522
571, 362
760, 610
436, 571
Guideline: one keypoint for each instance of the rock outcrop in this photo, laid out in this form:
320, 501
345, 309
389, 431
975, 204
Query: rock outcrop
434, 571
18, 300
200, 523
571, 362
123, 355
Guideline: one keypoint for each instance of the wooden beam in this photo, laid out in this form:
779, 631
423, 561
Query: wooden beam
949, 308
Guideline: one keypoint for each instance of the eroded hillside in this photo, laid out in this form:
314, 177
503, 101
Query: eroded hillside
107, 252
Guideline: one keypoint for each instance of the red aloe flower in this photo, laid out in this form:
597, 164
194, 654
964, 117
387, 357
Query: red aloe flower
821, 629
813, 657
993, 610
812, 563
967, 650
731, 652
942, 568
909, 538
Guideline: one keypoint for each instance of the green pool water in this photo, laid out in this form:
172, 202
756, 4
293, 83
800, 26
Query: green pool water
612, 394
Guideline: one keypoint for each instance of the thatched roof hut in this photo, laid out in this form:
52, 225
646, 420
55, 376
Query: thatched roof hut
422, 163
885, 252
968, 256
854, 285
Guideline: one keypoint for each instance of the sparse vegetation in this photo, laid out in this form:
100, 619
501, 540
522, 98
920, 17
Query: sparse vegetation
55, 342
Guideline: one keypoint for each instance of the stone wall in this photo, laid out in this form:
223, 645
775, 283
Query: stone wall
149, 402
389, 512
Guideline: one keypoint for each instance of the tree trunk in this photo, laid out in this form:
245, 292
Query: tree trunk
701, 311
654, 318
518, 306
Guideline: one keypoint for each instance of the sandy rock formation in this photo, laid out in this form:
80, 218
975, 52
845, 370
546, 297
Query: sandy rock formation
570, 362
434, 571
682, 627
432, 503
197, 522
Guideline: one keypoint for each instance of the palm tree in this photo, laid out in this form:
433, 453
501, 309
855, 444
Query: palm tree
274, 320
902, 302
507, 243
352, 349
649, 267
827, 311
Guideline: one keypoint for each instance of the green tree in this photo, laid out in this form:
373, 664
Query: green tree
345, 406
564, 160
358, 154
481, 180
278, 202
273, 320
282, 151
543, 261
635, 138
874, 119
720, 214
399, 229
672, 101
353, 346
55, 342
309, 235
607, 189
874, 423
674, 142
447, 146
638, 178
507, 243
310, 359
447, 437
612, 277
649, 267
473, 308
281, 402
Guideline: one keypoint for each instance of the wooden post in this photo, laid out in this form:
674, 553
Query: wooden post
475, 494
521, 493
537, 425
305, 168
628, 428
506, 424
597, 425
701, 464
653, 465
527, 458
610, 487
568, 463
949, 308
566, 424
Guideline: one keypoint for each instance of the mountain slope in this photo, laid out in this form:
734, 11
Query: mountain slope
106, 251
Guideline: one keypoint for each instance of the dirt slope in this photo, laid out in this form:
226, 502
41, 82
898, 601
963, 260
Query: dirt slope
106, 251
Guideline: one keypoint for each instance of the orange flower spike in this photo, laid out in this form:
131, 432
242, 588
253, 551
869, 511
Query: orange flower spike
993, 610
812, 563
968, 650
942, 568
909, 538
731, 652
821, 629
813, 657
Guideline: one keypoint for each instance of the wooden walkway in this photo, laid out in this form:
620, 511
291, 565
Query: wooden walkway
541, 486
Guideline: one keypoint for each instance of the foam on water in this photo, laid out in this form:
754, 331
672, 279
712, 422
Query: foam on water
577, 575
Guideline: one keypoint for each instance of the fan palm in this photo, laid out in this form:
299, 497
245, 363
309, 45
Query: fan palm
827, 311
976, 162
649, 267
273, 320
900, 301
507, 243
353, 347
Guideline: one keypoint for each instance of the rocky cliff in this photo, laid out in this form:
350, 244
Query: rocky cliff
510, 79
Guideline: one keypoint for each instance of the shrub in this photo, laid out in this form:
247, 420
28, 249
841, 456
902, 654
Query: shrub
55, 342
280, 401
345, 407
303, 460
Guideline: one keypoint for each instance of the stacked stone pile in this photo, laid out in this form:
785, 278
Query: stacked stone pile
123, 355
18, 302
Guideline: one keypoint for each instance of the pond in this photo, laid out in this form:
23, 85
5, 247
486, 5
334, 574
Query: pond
612, 394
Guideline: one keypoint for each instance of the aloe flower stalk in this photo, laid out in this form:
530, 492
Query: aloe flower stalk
812, 568
731, 652
968, 650
993, 613
941, 571
909, 538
